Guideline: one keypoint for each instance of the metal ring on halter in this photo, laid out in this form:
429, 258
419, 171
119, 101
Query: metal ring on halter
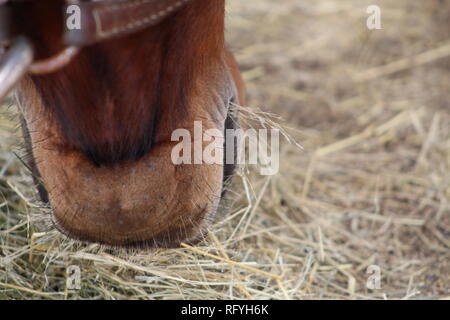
58, 61
14, 64
55, 62
17, 55
17, 60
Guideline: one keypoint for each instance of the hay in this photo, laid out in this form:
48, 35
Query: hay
371, 187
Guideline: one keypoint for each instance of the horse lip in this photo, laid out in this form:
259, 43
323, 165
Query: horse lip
157, 242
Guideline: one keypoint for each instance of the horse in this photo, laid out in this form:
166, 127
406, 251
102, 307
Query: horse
99, 102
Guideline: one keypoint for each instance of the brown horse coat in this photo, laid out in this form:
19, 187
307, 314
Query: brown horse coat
101, 127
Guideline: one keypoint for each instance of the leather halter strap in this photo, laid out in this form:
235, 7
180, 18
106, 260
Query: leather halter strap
100, 20
106, 19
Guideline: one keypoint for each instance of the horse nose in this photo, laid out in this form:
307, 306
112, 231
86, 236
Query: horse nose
149, 202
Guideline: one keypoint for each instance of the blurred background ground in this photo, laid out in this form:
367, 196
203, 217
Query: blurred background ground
370, 188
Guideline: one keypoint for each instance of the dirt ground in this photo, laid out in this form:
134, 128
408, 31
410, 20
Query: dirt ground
367, 196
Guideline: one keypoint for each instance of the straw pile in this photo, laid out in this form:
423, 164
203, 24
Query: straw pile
370, 189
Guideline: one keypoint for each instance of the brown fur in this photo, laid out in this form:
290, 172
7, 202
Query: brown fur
100, 128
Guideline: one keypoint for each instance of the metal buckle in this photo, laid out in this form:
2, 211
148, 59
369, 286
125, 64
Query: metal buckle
14, 64
16, 59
